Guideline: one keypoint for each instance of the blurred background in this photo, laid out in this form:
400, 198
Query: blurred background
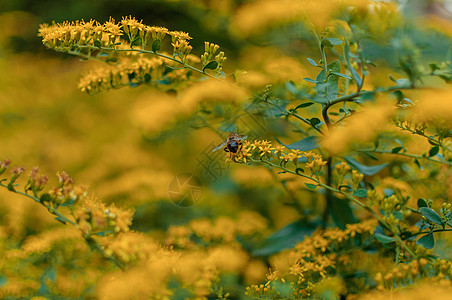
47, 121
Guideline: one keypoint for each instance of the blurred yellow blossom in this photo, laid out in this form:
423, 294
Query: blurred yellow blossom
433, 105
154, 110
211, 90
362, 127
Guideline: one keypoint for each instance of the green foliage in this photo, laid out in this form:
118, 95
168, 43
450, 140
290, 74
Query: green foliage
325, 181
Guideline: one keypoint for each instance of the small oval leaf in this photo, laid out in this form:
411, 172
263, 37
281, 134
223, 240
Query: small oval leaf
309, 80
136, 42
360, 193
211, 65
427, 241
310, 186
156, 45
341, 75
421, 203
312, 62
303, 105
431, 215
315, 121
433, 151
396, 149
384, 239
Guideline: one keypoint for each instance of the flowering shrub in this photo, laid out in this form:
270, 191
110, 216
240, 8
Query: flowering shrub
342, 190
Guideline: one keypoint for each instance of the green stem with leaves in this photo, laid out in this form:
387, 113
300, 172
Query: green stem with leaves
62, 218
348, 196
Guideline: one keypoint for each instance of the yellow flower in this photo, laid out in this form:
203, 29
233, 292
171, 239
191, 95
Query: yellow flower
265, 148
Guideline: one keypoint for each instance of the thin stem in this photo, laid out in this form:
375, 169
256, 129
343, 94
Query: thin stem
89, 239
296, 202
328, 195
432, 231
399, 240
350, 197
52, 210
304, 120
86, 56
407, 155
149, 52
424, 135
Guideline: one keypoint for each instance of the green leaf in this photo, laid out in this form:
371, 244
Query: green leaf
309, 80
427, 241
328, 89
360, 193
312, 62
315, 121
341, 212
355, 74
341, 75
421, 203
306, 144
434, 66
299, 171
136, 42
326, 43
334, 41
285, 238
45, 198
290, 86
366, 170
212, 65
60, 220
310, 186
431, 215
384, 239
433, 143
104, 233
97, 43
398, 215
433, 151
396, 149
330, 42
303, 105
418, 164
10, 187
156, 45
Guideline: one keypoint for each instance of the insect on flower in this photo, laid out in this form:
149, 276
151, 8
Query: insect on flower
233, 143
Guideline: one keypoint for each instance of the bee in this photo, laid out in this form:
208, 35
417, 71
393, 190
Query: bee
233, 143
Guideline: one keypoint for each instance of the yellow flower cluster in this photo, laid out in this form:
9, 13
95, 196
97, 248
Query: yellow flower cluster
196, 270
133, 29
210, 55
92, 38
93, 216
402, 275
130, 247
44, 242
63, 36
128, 72
263, 149
424, 290
312, 261
211, 91
332, 238
222, 230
